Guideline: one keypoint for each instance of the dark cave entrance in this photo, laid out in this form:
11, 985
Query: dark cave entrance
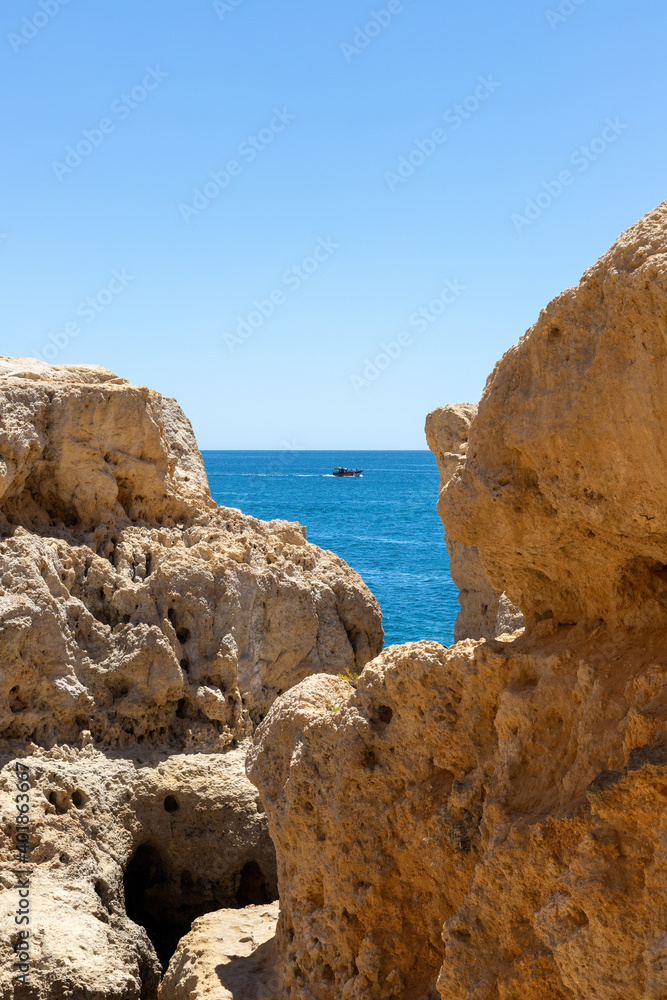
252, 890
145, 903
166, 903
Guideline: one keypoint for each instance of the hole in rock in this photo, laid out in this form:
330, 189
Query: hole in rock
182, 634
170, 804
16, 703
103, 891
385, 714
185, 665
252, 890
79, 799
165, 898
59, 801
112, 545
148, 902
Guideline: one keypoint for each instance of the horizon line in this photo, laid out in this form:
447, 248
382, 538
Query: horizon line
317, 450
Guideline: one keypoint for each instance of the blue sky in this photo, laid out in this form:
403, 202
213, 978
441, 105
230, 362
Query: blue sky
358, 215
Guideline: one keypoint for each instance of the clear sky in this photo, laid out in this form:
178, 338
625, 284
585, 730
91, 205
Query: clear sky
365, 154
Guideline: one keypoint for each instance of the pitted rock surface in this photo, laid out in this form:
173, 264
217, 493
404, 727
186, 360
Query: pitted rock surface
144, 632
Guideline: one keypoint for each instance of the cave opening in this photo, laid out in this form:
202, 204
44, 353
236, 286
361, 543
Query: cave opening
165, 902
252, 890
146, 903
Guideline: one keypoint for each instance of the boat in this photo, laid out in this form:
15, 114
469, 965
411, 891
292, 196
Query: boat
340, 471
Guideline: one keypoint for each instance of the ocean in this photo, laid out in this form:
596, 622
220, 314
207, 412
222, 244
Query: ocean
384, 524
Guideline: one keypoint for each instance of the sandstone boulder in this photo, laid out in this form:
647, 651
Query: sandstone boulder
228, 955
81, 447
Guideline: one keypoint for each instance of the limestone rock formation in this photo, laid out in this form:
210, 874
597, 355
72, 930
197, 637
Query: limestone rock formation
122, 845
81, 448
374, 845
564, 483
514, 792
485, 613
143, 634
228, 955
509, 794
130, 604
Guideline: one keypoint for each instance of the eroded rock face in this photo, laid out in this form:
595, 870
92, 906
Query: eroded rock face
119, 620
564, 485
372, 845
510, 793
81, 448
143, 634
485, 612
122, 848
487, 788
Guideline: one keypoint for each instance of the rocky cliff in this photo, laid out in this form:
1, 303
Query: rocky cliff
487, 822
144, 632
485, 612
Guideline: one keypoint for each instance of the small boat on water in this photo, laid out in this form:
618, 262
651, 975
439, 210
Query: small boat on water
340, 471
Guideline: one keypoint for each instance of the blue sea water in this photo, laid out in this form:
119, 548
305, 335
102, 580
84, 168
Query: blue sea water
384, 524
